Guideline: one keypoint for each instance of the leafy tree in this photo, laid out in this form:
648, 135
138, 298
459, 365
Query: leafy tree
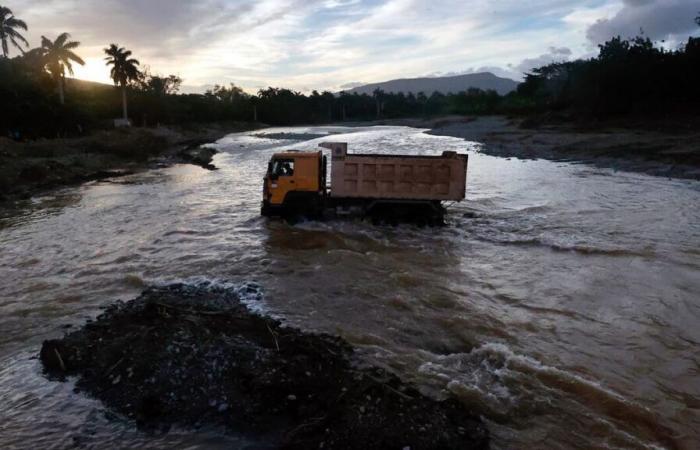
124, 70
58, 56
9, 25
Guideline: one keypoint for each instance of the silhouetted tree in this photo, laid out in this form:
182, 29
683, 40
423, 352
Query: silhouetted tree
422, 101
378, 95
124, 70
227, 94
158, 84
58, 56
327, 105
9, 25
629, 76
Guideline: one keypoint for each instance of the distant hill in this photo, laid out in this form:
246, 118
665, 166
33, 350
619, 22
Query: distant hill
87, 86
444, 85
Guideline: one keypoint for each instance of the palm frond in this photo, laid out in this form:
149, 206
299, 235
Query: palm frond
124, 69
71, 45
17, 44
15, 35
14, 22
72, 56
61, 39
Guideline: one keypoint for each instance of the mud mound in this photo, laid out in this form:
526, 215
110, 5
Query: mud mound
196, 355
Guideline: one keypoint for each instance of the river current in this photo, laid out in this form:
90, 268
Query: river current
561, 300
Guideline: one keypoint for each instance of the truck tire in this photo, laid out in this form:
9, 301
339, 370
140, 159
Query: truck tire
420, 213
302, 204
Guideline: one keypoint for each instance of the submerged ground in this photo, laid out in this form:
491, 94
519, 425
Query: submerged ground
560, 300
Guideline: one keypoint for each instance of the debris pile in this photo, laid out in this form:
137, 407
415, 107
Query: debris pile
194, 355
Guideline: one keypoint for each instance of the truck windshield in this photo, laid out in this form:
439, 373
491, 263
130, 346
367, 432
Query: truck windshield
282, 167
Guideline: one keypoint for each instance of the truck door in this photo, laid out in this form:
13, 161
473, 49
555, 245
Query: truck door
281, 179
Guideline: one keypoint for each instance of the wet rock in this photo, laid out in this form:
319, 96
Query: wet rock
104, 174
194, 355
34, 173
200, 156
52, 356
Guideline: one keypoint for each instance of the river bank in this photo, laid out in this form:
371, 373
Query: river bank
30, 167
195, 355
638, 147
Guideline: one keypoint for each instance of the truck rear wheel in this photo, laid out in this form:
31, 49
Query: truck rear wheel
419, 213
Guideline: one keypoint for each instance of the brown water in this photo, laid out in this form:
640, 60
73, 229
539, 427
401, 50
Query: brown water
561, 299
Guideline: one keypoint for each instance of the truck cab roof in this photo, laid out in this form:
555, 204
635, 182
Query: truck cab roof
296, 154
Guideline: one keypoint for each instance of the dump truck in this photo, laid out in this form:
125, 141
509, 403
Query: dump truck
382, 187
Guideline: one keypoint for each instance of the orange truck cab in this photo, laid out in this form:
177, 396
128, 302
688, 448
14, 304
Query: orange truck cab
295, 182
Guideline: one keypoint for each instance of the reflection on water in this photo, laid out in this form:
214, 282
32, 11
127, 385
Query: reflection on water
560, 299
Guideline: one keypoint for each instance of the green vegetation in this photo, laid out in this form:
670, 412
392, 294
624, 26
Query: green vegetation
627, 77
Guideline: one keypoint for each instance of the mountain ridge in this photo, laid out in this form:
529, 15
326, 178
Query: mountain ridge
450, 84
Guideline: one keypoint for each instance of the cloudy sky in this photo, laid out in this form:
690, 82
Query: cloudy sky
335, 44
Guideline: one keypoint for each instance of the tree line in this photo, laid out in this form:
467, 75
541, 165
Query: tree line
627, 76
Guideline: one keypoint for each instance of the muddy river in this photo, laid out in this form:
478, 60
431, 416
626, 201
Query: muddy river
561, 299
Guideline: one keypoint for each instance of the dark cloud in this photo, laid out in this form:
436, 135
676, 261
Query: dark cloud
555, 54
351, 85
158, 28
659, 19
637, 2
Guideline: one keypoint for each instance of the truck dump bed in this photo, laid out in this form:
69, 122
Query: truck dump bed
401, 177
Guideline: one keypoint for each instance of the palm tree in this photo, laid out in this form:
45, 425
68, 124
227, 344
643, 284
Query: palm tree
124, 70
58, 55
8, 31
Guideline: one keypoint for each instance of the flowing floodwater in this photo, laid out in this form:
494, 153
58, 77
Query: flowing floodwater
562, 301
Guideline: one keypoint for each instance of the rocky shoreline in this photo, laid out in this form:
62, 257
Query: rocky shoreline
27, 168
635, 147
195, 355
